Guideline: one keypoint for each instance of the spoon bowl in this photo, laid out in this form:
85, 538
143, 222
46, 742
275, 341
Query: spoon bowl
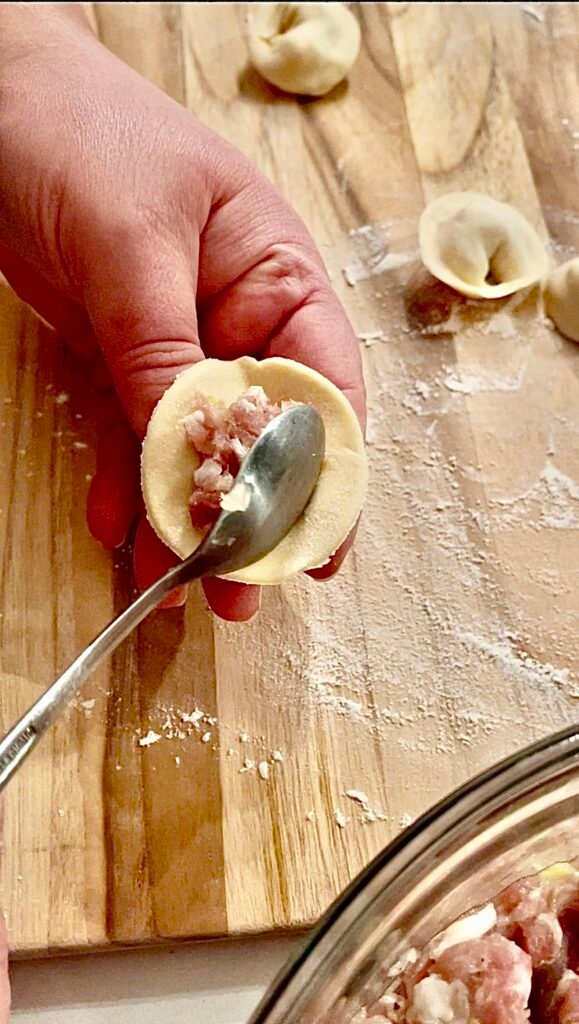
274, 484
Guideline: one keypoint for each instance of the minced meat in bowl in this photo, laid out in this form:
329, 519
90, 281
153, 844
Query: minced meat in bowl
471, 916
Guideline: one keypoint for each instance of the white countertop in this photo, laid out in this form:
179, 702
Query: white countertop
212, 983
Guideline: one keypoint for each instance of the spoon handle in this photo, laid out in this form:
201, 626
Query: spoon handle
23, 737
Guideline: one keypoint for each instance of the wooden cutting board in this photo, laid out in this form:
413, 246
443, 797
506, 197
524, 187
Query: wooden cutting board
451, 637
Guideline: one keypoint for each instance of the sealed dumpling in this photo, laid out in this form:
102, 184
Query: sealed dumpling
303, 48
199, 434
561, 297
479, 246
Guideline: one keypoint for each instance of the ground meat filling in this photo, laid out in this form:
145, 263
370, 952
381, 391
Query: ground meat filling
222, 436
513, 962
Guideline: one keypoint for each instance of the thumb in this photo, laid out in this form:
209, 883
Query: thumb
141, 303
140, 298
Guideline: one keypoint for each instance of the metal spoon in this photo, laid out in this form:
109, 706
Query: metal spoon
271, 490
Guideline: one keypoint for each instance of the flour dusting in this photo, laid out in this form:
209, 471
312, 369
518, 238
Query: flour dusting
374, 254
477, 383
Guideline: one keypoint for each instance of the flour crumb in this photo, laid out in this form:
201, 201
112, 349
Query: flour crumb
231, 752
193, 717
247, 766
276, 755
405, 820
87, 706
206, 737
79, 446
340, 818
62, 398
311, 816
422, 388
151, 737
370, 814
177, 760
463, 387
263, 769
60, 812
358, 797
533, 13
369, 338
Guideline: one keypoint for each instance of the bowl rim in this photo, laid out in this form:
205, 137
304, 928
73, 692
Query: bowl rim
502, 780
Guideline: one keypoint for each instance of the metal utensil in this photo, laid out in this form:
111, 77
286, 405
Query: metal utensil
270, 492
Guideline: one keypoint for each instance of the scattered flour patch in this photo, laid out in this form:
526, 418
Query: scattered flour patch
515, 663
479, 381
552, 501
373, 255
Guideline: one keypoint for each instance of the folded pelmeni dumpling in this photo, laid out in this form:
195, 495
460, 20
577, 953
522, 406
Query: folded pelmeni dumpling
561, 297
480, 247
303, 48
201, 430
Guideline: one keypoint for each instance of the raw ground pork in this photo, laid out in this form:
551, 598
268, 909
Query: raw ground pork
222, 437
521, 968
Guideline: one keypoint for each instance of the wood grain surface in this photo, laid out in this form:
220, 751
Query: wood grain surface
451, 637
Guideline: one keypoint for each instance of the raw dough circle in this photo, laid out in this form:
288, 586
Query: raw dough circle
561, 297
480, 247
168, 462
303, 48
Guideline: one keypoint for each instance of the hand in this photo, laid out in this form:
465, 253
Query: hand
134, 229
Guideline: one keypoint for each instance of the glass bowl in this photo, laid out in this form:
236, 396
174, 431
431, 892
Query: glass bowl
514, 819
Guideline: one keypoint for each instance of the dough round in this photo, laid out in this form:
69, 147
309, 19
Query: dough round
303, 48
480, 247
168, 462
561, 297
